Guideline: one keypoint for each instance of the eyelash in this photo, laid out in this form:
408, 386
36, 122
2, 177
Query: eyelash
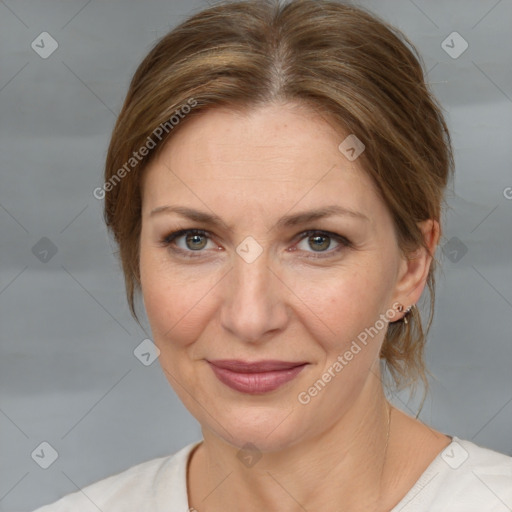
167, 242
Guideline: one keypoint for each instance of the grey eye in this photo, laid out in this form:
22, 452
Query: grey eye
319, 242
195, 241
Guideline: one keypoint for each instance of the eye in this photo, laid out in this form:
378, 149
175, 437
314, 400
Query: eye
191, 242
320, 241
187, 241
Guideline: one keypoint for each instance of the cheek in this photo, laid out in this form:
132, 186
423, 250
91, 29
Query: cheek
176, 300
339, 305
344, 318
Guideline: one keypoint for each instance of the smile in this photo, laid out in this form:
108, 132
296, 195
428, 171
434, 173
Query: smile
255, 378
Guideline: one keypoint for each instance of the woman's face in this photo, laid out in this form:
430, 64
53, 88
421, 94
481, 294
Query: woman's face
265, 278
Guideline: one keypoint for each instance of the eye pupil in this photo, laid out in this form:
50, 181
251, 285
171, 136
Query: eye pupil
319, 238
194, 237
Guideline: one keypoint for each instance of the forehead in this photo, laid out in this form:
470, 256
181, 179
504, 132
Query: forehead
268, 159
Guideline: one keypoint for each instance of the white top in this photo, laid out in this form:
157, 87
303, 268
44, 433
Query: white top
464, 477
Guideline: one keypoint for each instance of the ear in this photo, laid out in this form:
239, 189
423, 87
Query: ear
413, 273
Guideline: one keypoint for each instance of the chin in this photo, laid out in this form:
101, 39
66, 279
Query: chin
267, 428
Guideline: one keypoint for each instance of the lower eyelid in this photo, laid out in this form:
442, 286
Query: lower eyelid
329, 253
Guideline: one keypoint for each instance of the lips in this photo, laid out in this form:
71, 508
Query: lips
255, 377
268, 365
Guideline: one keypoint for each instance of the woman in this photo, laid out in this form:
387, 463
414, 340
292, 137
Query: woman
275, 184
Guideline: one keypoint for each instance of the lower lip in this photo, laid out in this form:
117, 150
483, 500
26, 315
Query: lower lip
256, 383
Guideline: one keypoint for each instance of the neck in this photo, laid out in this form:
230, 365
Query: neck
345, 465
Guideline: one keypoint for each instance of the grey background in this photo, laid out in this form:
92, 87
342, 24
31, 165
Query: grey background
68, 375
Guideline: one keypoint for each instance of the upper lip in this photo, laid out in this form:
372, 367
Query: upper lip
237, 365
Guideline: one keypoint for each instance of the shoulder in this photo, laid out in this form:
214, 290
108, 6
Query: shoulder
143, 487
464, 477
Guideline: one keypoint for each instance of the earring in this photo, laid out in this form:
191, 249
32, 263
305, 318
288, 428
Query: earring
400, 308
407, 311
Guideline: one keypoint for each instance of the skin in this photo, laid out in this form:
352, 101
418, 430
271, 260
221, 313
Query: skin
250, 169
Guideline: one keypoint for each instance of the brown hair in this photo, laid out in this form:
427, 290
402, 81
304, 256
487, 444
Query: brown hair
338, 59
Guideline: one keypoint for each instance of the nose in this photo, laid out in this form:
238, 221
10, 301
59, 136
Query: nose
253, 302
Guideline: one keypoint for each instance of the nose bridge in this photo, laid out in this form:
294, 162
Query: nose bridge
253, 301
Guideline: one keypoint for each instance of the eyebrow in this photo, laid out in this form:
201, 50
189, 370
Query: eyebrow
284, 222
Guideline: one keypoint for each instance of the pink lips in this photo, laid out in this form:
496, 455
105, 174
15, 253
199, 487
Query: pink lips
255, 377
